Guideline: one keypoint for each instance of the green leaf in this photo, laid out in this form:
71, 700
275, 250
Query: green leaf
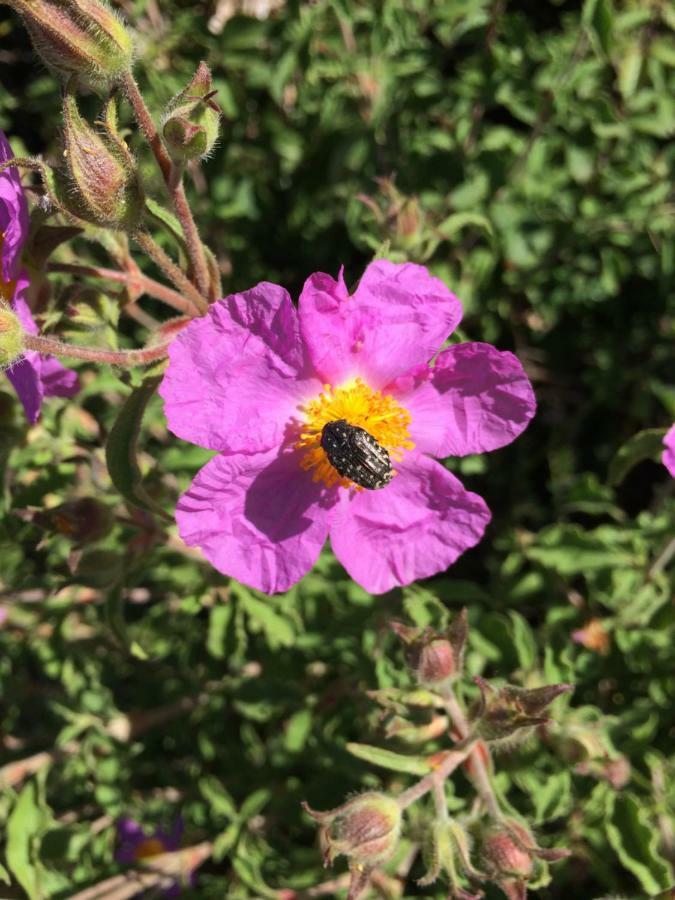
397, 762
168, 220
25, 827
219, 621
121, 447
598, 17
647, 444
634, 839
278, 630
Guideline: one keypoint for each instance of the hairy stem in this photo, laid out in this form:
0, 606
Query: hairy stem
171, 270
135, 280
54, 347
481, 774
430, 782
174, 185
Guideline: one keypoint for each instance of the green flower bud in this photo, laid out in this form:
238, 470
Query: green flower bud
11, 337
191, 119
366, 829
101, 171
447, 848
503, 712
78, 37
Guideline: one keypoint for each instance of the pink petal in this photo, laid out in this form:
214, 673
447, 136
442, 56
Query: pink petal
258, 518
35, 377
669, 453
397, 318
475, 399
237, 376
414, 528
13, 215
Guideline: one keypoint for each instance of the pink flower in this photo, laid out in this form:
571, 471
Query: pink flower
257, 380
33, 376
668, 457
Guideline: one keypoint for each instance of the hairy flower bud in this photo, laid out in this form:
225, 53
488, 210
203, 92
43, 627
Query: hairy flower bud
102, 173
78, 37
507, 710
11, 337
434, 657
191, 119
447, 849
508, 853
365, 829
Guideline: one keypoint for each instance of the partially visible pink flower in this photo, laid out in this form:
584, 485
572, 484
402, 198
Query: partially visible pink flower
257, 379
135, 845
669, 453
33, 376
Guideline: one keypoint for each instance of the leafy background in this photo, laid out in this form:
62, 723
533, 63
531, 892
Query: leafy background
523, 151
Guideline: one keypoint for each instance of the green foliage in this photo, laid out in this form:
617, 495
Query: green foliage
522, 151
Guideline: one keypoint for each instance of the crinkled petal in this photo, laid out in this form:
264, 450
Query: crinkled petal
475, 399
25, 378
13, 215
414, 528
397, 318
237, 376
669, 453
258, 518
35, 377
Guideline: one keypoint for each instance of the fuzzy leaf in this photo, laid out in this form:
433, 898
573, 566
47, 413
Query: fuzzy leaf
397, 762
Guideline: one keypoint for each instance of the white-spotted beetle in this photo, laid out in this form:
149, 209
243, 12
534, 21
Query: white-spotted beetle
356, 455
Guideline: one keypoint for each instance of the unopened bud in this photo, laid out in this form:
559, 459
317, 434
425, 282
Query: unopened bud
365, 829
78, 37
507, 710
504, 857
447, 849
103, 176
191, 119
434, 657
11, 337
509, 851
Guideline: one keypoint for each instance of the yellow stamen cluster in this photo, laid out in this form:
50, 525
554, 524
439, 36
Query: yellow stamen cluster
379, 414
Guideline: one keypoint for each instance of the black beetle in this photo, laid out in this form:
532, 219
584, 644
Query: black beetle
356, 455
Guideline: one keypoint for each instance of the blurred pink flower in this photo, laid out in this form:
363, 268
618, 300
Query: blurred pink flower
33, 376
134, 845
257, 379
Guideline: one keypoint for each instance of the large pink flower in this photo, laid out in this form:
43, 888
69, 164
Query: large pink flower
257, 380
33, 376
669, 453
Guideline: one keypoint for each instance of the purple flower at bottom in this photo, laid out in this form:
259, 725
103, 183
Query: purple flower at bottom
668, 457
134, 845
33, 376
257, 380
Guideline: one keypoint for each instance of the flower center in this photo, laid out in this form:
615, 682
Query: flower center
379, 414
149, 847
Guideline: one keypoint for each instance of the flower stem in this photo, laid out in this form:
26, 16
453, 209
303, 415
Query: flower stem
136, 280
433, 780
171, 270
54, 347
174, 185
481, 773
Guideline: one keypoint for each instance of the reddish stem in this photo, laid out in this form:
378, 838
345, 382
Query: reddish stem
136, 280
175, 187
53, 347
171, 270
